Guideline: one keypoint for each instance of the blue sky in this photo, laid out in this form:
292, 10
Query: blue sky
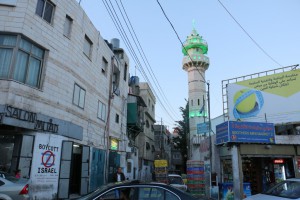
274, 25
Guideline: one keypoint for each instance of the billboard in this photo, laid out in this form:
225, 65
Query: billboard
245, 132
272, 98
202, 128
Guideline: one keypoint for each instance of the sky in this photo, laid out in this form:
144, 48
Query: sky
263, 35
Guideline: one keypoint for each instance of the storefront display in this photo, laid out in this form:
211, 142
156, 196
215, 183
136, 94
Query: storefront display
227, 171
226, 191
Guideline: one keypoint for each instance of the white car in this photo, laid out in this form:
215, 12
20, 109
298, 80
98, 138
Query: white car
288, 189
176, 181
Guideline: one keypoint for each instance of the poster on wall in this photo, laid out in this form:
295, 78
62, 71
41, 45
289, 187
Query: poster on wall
273, 98
45, 166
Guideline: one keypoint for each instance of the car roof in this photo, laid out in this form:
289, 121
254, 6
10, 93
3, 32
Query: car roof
293, 179
135, 183
174, 175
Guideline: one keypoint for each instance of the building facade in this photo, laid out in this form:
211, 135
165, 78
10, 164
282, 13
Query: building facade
163, 143
261, 146
145, 139
63, 98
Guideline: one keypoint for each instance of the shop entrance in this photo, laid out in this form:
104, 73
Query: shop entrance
74, 170
264, 172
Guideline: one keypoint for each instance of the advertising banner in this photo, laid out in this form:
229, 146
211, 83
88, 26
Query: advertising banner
273, 98
222, 134
245, 132
202, 128
45, 166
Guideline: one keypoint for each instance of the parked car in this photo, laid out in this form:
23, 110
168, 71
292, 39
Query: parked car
12, 188
288, 189
176, 181
136, 190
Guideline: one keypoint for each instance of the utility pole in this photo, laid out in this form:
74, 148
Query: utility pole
209, 126
161, 138
107, 126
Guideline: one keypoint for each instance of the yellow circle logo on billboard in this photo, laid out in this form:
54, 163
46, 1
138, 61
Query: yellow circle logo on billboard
247, 104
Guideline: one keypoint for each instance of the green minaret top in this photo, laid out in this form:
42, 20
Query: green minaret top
195, 41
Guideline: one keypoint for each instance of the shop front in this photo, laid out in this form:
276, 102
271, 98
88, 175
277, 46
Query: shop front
36, 144
261, 166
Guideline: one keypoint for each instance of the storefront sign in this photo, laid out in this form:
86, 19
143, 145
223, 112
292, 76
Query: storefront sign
45, 165
222, 135
31, 117
114, 144
245, 132
278, 161
18, 117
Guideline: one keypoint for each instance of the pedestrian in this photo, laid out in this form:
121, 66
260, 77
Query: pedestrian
18, 173
153, 176
119, 175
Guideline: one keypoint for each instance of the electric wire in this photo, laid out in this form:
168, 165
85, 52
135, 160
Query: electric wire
244, 30
143, 55
131, 48
180, 39
123, 34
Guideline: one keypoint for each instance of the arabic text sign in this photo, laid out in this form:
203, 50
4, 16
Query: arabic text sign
245, 132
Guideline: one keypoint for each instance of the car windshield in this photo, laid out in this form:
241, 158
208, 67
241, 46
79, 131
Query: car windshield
287, 189
175, 180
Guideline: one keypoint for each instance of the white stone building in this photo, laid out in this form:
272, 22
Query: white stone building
145, 140
63, 92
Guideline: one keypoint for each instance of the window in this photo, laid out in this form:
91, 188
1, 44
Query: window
101, 111
45, 9
153, 148
119, 193
20, 60
87, 46
68, 26
117, 118
147, 145
149, 102
78, 96
192, 102
125, 72
198, 102
129, 165
151, 193
152, 107
147, 123
104, 66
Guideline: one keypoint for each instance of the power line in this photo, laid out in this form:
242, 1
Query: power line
249, 35
179, 39
120, 29
139, 46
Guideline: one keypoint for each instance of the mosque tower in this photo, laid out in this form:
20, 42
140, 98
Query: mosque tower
195, 62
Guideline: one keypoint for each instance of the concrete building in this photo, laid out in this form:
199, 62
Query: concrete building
145, 139
163, 143
63, 93
261, 145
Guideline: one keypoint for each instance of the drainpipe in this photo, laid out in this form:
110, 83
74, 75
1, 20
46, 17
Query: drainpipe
107, 127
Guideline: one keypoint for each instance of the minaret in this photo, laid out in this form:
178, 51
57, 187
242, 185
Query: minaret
195, 62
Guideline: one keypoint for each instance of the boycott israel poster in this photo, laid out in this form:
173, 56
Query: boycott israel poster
273, 98
45, 166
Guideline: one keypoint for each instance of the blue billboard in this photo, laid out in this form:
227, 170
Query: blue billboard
202, 128
245, 132
222, 135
